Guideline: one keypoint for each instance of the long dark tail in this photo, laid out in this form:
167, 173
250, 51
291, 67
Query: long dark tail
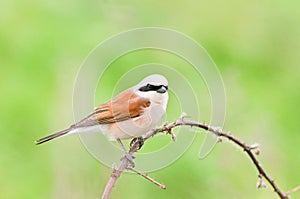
55, 135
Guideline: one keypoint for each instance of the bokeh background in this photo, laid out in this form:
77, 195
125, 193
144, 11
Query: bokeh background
255, 45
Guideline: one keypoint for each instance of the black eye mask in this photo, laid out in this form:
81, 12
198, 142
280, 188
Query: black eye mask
150, 87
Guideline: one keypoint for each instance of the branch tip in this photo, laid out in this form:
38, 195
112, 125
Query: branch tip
162, 186
174, 138
292, 191
253, 146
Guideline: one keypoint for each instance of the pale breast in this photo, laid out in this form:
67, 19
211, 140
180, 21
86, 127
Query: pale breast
137, 126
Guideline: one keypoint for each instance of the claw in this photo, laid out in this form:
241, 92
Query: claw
139, 140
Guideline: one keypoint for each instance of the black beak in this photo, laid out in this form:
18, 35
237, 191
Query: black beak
162, 89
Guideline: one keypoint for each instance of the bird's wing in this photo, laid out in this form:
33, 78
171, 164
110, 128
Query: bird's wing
124, 106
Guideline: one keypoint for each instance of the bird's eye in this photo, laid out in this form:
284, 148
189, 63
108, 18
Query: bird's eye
146, 88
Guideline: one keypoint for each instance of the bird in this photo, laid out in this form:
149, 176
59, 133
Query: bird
130, 114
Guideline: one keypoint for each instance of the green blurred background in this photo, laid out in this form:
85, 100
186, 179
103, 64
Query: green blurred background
255, 45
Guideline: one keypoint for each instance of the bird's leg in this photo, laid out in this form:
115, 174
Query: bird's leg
139, 140
127, 155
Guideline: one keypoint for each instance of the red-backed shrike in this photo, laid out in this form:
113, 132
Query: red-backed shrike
130, 114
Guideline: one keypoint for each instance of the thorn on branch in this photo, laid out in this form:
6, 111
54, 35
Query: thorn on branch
253, 146
165, 128
257, 151
219, 139
168, 131
173, 137
216, 130
183, 115
260, 183
115, 172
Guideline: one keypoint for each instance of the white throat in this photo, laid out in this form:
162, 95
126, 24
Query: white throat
155, 98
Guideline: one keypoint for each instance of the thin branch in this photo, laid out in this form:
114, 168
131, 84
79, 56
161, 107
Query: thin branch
216, 131
113, 178
162, 186
292, 191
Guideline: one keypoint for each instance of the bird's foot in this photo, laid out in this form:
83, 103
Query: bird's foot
137, 140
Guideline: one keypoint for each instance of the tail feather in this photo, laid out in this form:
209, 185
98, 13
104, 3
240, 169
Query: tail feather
52, 136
